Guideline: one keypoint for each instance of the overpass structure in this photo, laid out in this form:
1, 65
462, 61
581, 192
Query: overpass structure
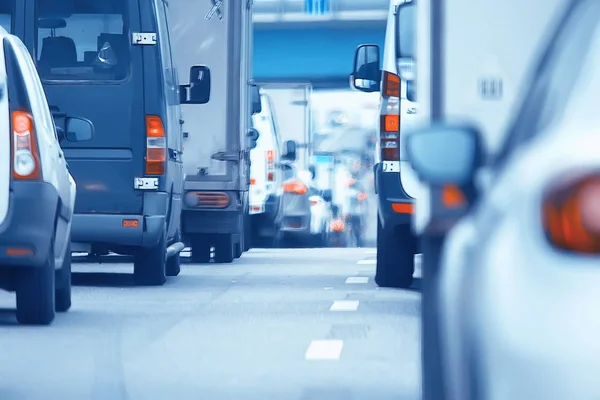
313, 40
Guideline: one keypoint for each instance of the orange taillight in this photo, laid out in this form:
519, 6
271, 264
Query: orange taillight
207, 199
337, 225
571, 216
25, 154
294, 186
156, 146
361, 196
252, 181
389, 124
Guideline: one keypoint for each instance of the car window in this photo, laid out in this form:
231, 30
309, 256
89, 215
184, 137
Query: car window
41, 114
7, 10
82, 40
166, 57
555, 78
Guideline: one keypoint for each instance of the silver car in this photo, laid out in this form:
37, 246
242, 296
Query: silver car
520, 277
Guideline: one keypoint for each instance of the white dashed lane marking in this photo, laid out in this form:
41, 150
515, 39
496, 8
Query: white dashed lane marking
324, 350
344, 305
357, 279
367, 262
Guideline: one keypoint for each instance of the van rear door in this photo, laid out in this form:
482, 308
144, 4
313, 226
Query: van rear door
90, 69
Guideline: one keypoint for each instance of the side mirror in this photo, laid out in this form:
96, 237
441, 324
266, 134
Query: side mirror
313, 171
366, 75
198, 91
327, 195
78, 129
253, 136
256, 103
290, 150
445, 154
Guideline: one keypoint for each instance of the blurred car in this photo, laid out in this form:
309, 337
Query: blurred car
37, 193
306, 211
518, 297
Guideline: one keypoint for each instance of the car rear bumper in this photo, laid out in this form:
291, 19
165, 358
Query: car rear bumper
394, 205
297, 224
26, 234
124, 229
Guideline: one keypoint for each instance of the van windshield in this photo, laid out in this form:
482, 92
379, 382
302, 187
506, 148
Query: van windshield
6, 12
82, 40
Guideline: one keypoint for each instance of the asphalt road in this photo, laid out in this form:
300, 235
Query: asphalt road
281, 324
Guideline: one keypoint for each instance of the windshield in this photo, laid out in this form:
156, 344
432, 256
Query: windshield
557, 89
81, 40
405, 31
6, 12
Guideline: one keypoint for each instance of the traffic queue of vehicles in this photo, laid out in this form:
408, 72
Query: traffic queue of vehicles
99, 123
501, 166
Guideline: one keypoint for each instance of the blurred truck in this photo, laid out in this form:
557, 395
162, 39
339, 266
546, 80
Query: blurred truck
217, 135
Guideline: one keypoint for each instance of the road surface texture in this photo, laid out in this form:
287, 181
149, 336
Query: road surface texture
277, 324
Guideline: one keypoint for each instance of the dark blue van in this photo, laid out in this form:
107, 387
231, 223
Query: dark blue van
110, 61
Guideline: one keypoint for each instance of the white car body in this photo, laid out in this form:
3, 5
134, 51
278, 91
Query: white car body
518, 315
36, 209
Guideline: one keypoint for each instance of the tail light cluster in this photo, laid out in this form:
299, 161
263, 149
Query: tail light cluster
25, 152
156, 146
337, 225
270, 155
294, 186
571, 216
389, 131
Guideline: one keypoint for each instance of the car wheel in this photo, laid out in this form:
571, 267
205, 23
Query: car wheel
62, 291
224, 249
174, 262
35, 293
395, 257
150, 264
200, 249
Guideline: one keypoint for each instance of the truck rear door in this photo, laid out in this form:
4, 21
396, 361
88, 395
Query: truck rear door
290, 103
90, 69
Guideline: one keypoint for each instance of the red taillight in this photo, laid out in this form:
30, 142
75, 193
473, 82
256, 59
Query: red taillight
156, 146
314, 202
571, 216
252, 181
270, 155
337, 225
294, 186
25, 154
389, 124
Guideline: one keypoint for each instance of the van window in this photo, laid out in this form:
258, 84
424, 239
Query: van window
82, 40
7, 9
164, 41
405, 30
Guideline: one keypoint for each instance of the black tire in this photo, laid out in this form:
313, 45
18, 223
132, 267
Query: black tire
35, 293
200, 249
247, 232
62, 291
150, 264
224, 249
173, 267
395, 257
237, 250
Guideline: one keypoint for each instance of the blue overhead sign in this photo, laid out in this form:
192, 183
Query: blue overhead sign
323, 159
316, 7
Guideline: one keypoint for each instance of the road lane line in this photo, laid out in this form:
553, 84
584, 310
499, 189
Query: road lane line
324, 350
344, 305
367, 262
357, 279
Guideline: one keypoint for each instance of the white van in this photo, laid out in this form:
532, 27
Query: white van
265, 176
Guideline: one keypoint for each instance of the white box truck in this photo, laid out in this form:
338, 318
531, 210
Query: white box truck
217, 136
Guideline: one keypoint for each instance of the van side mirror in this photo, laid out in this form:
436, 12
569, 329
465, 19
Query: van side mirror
290, 150
255, 96
78, 129
253, 136
366, 75
327, 195
198, 91
313, 171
